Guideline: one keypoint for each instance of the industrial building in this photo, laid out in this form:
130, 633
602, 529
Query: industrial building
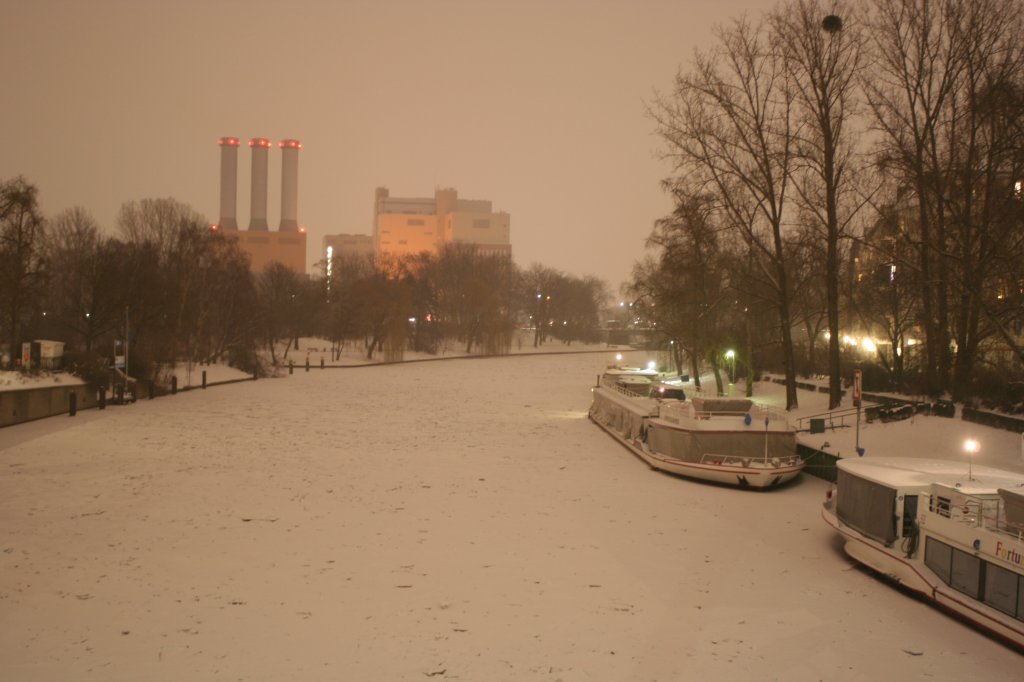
407, 226
404, 227
287, 245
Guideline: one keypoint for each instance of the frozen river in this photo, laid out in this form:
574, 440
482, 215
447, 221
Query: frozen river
441, 520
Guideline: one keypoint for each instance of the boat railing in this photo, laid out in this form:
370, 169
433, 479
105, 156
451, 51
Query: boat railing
758, 415
613, 384
976, 511
746, 461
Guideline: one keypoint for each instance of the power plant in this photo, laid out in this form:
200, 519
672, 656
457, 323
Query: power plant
288, 244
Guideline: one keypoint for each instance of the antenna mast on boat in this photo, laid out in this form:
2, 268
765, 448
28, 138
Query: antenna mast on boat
765, 437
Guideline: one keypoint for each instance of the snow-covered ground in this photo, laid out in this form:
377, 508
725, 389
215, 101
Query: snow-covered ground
441, 520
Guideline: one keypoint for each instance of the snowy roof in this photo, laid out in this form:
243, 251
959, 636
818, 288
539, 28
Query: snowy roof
910, 472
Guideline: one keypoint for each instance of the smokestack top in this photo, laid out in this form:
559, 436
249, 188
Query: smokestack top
259, 142
291, 144
231, 141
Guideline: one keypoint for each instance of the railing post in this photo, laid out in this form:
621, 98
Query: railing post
72, 404
204, 378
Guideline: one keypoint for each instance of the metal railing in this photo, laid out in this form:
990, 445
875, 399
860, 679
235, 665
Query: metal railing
804, 423
977, 512
747, 461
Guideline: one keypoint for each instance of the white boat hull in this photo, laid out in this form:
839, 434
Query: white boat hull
913, 575
753, 476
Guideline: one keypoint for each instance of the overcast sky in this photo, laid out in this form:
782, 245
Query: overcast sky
536, 105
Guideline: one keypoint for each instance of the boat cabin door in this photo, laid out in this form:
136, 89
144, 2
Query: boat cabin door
909, 515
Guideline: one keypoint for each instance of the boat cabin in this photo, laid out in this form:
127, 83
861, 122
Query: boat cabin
966, 527
663, 390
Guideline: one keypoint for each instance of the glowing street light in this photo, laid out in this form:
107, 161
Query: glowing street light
970, 447
730, 355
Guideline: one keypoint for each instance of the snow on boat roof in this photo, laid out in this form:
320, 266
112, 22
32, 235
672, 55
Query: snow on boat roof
912, 472
631, 371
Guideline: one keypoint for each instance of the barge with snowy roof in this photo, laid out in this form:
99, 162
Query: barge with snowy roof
721, 440
949, 531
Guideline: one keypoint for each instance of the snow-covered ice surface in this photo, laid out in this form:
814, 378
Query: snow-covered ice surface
442, 520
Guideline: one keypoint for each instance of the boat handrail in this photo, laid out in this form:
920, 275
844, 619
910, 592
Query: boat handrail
733, 460
757, 413
747, 460
986, 512
610, 382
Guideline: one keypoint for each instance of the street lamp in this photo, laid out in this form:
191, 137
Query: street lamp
730, 355
970, 447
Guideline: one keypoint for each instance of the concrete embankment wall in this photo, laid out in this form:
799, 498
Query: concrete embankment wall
28, 404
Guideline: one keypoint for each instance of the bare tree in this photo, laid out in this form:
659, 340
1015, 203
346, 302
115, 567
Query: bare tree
685, 284
22, 268
822, 47
984, 216
85, 296
944, 70
728, 127
910, 86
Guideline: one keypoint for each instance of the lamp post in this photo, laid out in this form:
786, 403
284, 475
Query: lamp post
970, 447
730, 355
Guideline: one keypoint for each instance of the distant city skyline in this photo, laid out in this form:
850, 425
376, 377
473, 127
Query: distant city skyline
536, 106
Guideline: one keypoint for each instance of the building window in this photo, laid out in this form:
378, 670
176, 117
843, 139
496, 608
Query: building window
481, 223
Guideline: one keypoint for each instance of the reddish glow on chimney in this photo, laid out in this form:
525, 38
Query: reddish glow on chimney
293, 144
233, 141
259, 142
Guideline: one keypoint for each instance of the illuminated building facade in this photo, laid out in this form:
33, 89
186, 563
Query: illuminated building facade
404, 227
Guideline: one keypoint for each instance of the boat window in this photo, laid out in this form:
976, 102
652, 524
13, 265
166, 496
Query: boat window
1020, 598
867, 506
938, 556
942, 506
966, 574
1002, 589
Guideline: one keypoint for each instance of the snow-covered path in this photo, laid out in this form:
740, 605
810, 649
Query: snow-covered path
448, 520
